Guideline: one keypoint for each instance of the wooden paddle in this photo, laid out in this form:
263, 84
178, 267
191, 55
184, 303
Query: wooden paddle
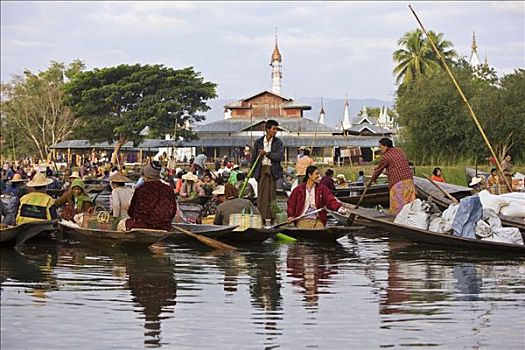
453, 199
206, 240
297, 218
352, 216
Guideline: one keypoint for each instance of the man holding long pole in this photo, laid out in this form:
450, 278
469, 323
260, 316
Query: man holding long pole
268, 170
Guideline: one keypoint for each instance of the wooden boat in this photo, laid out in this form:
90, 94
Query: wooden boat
425, 189
16, 235
327, 234
141, 236
413, 234
376, 194
250, 235
342, 219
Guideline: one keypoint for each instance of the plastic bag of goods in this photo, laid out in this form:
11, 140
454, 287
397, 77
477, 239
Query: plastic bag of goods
414, 215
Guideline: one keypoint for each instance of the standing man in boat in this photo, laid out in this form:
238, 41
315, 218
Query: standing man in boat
268, 170
400, 176
153, 204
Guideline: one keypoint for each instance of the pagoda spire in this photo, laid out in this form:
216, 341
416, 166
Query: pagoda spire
321, 113
276, 68
346, 119
474, 58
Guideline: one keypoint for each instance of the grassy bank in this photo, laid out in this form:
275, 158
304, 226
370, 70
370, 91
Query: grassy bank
454, 174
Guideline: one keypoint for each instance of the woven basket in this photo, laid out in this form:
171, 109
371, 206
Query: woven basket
99, 218
245, 221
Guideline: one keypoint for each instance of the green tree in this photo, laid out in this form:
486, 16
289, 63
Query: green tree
436, 124
117, 103
33, 110
415, 58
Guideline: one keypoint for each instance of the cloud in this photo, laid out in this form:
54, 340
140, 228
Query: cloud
329, 48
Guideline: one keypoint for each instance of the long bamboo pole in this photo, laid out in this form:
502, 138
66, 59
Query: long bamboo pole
472, 114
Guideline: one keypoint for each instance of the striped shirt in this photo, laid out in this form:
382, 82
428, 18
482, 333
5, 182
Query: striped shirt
396, 164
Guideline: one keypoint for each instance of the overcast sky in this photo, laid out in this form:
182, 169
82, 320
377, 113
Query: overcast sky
328, 49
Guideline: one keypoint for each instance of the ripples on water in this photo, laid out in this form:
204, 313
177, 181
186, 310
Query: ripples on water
365, 292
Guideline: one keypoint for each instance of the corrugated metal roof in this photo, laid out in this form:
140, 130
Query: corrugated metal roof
86, 144
294, 125
288, 141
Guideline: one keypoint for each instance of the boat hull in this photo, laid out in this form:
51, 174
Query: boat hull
17, 235
453, 242
328, 234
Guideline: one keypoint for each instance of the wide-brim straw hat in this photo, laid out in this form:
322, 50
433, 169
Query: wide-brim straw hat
236, 166
74, 175
219, 191
120, 178
340, 176
17, 178
475, 180
39, 179
190, 177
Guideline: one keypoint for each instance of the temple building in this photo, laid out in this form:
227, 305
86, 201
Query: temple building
244, 122
474, 58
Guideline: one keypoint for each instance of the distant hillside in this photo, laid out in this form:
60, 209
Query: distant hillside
334, 108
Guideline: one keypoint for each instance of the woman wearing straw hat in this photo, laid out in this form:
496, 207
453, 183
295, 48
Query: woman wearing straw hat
36, 205
190, 188
76, 200
211, 206
120, 195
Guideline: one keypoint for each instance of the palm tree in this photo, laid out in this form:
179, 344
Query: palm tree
443, 46
416, 57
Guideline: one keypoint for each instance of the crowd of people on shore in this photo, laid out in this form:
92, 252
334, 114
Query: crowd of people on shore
151, 201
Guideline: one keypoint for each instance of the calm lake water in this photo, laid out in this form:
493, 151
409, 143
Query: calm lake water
364, 293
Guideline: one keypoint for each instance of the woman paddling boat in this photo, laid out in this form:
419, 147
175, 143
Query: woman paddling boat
308, 197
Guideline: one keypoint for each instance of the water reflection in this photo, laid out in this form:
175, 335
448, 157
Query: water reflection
31, 269
312, 268
150, 279
368, 291
265, 291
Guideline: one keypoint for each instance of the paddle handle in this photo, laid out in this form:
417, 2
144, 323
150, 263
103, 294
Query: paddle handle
441, 189
206, 240
297, 218
250, 173
352, 216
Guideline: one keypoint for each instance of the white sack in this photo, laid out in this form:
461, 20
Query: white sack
413, 215
491, 201
509, 235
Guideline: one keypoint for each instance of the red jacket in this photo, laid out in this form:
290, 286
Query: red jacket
323, 198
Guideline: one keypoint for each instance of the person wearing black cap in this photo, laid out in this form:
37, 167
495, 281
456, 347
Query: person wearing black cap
153, 204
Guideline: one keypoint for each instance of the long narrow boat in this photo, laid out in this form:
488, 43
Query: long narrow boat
248, 236
141, 236
16, 235
342, 219
327, 234
413, 234
425, 189
376, 194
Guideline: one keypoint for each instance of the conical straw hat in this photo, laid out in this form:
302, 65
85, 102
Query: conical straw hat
39, 179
